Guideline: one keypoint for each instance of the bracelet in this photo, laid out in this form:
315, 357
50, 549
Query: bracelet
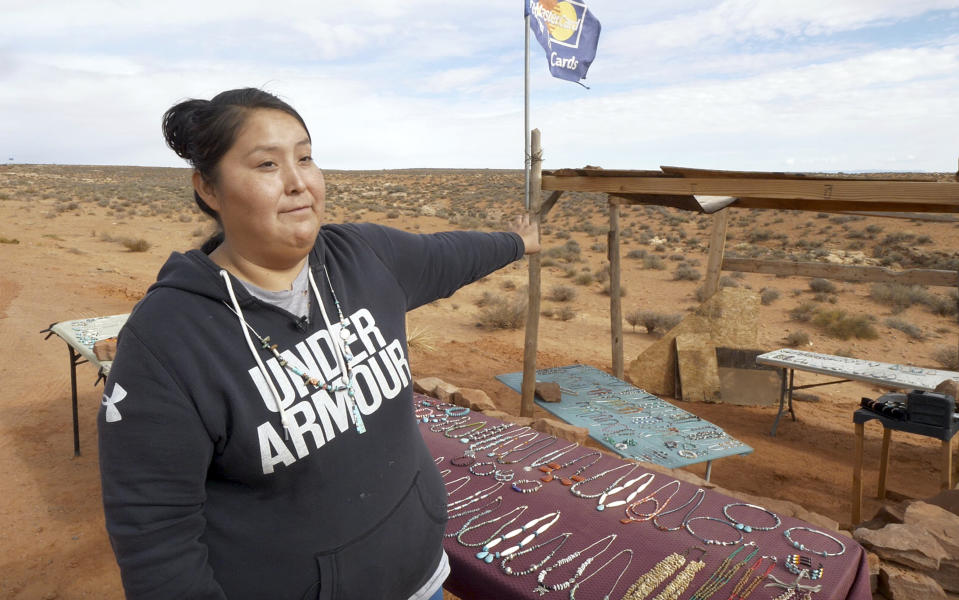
504, 476
796, 564
462, 461
491, 465
518, 486
842, 547
457, 411
711, 541
748, 528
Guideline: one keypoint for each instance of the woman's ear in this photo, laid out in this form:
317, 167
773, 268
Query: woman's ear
206, 190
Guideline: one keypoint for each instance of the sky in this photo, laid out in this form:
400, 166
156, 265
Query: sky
768, 85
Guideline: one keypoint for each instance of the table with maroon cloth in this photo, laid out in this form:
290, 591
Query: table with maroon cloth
844, 576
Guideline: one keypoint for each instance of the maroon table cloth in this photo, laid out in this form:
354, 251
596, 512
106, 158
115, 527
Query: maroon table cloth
844, 576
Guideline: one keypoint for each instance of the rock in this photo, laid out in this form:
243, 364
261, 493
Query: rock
889, 512
896, 583
435, 387
505, 416
473, 399
903, 544
942, 524
548, 391
561, 430
947, 575
949, 387
948, 499
873, 561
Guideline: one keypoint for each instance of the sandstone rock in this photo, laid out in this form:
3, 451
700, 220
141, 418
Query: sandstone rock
903, 544
948, 499
896, 583
548, 391
561, 430
426, 385
889, 512
473, 399
873, 561
942, 524
950, 387
947, 575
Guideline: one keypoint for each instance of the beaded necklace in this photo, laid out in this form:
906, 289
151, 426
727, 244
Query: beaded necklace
572, 591
474, 497
575, 491
550, 456
501, 458
491, 506
724, 573
632, 514
651, 579
699, 493
509, 570
742, 589
544, 587
488, 556
675, 588
553, 466
601, 503
507, 523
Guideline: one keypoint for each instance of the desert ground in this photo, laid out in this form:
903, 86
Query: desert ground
79, 241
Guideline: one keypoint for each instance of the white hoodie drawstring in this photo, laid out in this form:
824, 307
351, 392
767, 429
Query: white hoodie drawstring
284, 419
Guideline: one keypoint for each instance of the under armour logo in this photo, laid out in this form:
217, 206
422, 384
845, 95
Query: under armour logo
112, 414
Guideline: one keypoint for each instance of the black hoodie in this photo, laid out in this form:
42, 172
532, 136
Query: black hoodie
204, 498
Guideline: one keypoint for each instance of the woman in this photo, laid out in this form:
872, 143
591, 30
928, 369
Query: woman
257, 438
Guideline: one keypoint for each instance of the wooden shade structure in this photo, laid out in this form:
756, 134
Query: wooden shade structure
714, 191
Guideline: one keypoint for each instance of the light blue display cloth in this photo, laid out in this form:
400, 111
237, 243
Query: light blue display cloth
630, 421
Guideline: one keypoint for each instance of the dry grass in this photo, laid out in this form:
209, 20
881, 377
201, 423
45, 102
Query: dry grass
503, 313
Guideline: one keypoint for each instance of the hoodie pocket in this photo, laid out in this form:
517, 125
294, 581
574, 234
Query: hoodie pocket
389, 560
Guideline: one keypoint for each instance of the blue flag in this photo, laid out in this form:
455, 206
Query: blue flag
568, 32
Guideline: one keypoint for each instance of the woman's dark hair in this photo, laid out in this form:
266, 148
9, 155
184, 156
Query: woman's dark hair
202, 131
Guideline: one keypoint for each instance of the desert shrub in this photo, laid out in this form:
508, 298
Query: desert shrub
685, 272
873, 229
947, 357
393, 214
485, 299
804, 312
839, 324
758, 235
825, 297
583, 279
562, 293
913, 331
569, 252
654, 262
727, 281
898, 296
601, 275
503, 313
136, 245
797, 338
598, 248
944, 306
821, 285
508, 284
637, 253
653, 321
768, 295
569, 272
565, 313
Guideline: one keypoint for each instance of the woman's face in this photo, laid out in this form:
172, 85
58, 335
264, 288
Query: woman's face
268, 192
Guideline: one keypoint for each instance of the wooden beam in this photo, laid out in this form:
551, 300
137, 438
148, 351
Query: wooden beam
845, 190
717, 246
615, 300
843, 206
903, 215
528, 388
843, 272
548, 206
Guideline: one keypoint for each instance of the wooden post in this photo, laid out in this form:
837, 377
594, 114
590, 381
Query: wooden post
717, 246
528, 388
947, 464
615, 300
883, 463
857, 477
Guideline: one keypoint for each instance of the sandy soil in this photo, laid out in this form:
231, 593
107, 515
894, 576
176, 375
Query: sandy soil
63, 263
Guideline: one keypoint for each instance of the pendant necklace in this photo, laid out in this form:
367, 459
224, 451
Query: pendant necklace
543, 587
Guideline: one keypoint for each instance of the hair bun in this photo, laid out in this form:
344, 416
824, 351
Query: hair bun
180, 127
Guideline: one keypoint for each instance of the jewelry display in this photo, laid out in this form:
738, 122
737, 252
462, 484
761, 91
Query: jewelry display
445, 423
544, 587
575, 491
650, 580
481, 512
462, 461
476, 466
549, 468
488, 556
675, 588
632, 514
803, 548
472, 426
550, 456
505, 475
501, 458
724, 573
744, 589
484, 541
535, 566
457, 411
572, 590
750, 528
695, 501
520, 486
705, 540
474, 497
796, 564
445, 472
601, 503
